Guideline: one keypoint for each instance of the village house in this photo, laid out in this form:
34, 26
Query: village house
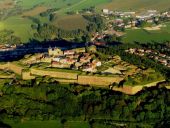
77, 65
162, 55
85, 59
141, 50
97, 63
132, 50
148, 51
105, 11
168, 65
69, 52
59, 65
163, 61
89, 68
68, 61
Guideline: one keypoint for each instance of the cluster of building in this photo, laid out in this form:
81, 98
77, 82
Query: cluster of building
150, 16
77, 59
143, 15
129, 19
161, 58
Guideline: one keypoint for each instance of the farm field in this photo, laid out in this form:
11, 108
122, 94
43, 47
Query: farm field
5, 4
136, 5
74, 5
141, 35
71, 22
22, 26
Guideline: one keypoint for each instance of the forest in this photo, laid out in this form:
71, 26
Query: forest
45, 99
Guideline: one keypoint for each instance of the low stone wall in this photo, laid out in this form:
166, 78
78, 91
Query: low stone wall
55, 74
66, 81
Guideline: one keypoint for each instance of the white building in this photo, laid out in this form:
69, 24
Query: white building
105, 11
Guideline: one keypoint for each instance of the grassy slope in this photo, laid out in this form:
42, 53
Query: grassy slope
22, 27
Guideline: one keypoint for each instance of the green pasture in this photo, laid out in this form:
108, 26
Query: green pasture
141, 35
20, 26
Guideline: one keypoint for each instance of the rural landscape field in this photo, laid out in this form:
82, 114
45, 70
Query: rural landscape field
85, 64
17, 17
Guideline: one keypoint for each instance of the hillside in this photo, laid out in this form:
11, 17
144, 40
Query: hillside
14, 14
73, 5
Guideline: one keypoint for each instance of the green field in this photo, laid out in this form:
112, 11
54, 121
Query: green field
21, 27
137, 4
74, 5
141, 35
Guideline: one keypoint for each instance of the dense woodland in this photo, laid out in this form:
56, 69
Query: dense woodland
45, 99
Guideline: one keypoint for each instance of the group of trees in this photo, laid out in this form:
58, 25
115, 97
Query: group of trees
90, 9
45, 99
163, 47
51, 32
8, 37
96, 23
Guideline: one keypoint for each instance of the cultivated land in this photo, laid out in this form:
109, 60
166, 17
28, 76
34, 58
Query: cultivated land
71, 22
22, 26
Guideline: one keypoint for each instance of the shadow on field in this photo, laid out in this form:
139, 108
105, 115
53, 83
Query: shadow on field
34, 46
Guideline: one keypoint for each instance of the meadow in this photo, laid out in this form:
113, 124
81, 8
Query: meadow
144, 36
21, 27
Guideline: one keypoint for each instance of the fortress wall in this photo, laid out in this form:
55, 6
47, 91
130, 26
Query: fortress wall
6, 77
3, 66
55, 74
97, 80
26, 75
15, 68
